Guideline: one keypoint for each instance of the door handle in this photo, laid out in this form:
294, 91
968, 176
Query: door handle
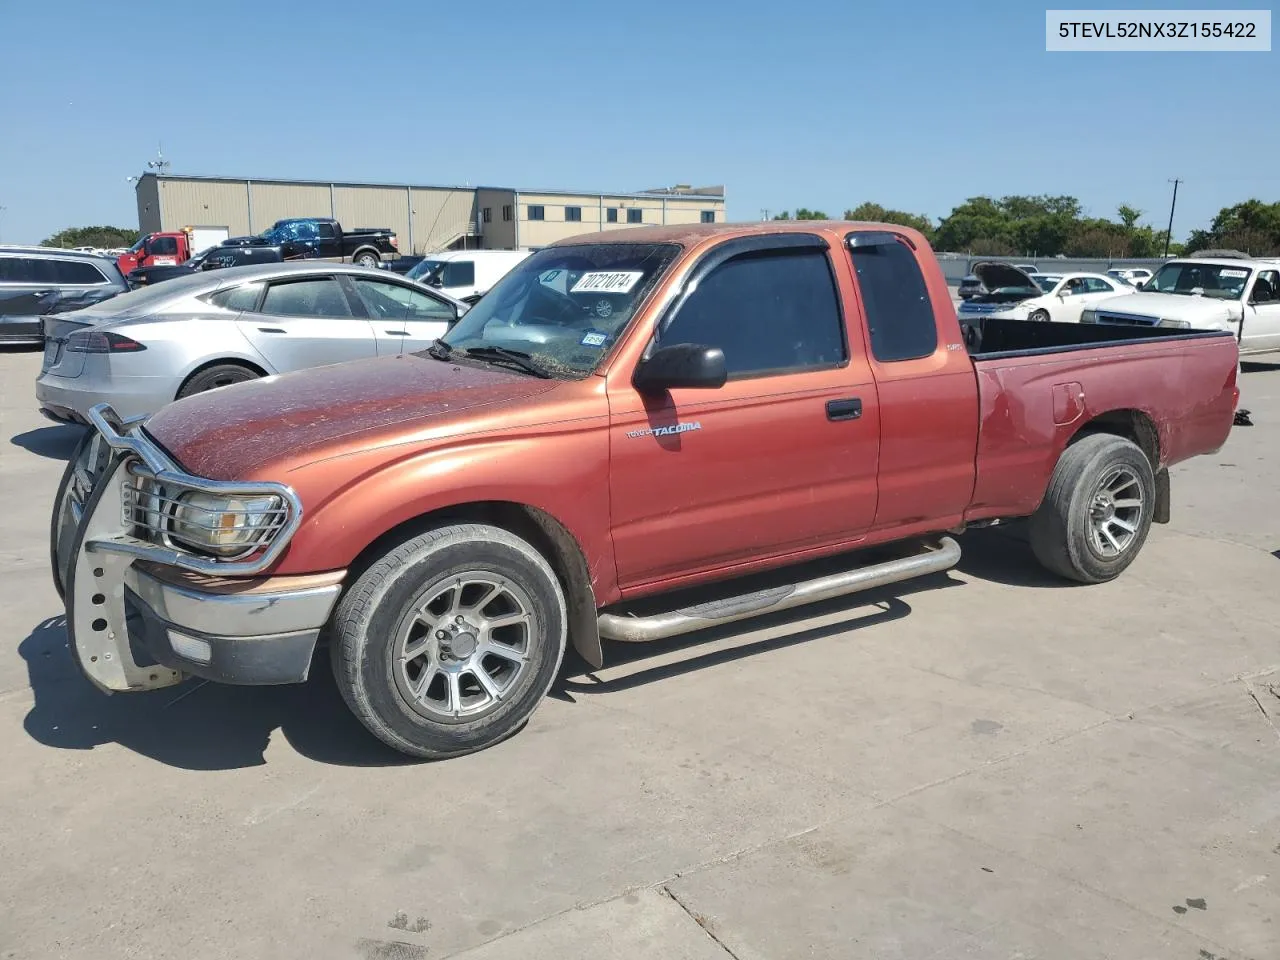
397, 333
270, 330
849, 408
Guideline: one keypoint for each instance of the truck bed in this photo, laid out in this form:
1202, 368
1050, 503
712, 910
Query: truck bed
1039, 384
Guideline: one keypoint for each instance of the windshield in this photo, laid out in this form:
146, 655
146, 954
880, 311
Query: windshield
565, 306
1046, 283
142, 242
1200, 279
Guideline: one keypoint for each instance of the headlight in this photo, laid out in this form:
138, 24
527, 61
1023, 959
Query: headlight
1177, 324
1088, 316
226, 526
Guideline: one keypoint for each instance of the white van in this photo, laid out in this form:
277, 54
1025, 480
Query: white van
465, 274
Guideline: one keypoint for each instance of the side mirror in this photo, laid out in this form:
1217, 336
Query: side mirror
435, 282
681, 366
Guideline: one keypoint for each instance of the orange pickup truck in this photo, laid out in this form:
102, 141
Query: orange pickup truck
624, 415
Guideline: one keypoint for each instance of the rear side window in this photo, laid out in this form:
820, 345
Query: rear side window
164, 247
313, 297
769, 312
14, 270
41, 270
243, 297
459, 273
899, 313
77, 272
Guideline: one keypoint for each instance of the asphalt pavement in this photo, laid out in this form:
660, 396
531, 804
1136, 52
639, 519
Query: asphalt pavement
989, 763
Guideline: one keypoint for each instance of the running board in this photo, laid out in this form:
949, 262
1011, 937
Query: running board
935, 558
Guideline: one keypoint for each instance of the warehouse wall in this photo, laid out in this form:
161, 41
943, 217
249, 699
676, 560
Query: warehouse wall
498, 234
147, 193
360, 206
279, 201
554, 226
207, 203
441, 216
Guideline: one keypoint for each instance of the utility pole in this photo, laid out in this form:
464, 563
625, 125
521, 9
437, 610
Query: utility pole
2, 210
764, 214
1172, 206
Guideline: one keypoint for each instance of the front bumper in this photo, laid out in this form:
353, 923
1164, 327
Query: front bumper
142, 615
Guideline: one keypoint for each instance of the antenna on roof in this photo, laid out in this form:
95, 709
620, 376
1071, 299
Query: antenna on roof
159, 164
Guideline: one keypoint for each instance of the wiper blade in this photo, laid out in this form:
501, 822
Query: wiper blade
516, 358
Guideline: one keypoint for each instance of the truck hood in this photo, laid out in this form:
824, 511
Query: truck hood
1173, 306
283, 422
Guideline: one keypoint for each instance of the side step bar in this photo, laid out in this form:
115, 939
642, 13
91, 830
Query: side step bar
935, 558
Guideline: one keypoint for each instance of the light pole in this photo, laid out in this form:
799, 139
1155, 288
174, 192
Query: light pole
1172, 206
2, 210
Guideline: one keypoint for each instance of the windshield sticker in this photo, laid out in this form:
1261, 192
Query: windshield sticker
607, 281
594, 338
1236, 274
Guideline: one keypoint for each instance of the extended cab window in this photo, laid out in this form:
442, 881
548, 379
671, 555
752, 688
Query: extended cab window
325, 229
770, 312
900, 316
313, 297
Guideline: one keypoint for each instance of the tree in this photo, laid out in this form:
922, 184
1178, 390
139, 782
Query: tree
875, 213
1252, 226
802, 213
103, 237
1128, 215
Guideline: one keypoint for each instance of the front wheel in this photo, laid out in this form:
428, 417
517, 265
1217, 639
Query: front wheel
448, 643
1097, 511
1039, 316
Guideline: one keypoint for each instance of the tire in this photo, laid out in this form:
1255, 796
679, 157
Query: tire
1102, 482
219, 375
1039, 316
366, 258
423, 597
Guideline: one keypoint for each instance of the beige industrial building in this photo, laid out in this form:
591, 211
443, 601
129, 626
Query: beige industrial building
424, 218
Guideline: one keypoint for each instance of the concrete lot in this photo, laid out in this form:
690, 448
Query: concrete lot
985, 764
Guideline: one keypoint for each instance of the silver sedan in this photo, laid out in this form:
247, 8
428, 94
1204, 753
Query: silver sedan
144, 349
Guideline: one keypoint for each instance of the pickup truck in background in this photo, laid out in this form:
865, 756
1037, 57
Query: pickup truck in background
623, 416
324, 239
1235, 295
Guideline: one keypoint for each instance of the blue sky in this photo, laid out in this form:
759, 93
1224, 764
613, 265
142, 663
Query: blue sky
821, 104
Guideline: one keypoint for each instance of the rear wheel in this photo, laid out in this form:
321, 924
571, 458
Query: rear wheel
448, 643
367, 258
1097, 511
219, 375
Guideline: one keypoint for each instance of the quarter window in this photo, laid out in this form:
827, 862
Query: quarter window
313, 297
899, 313
391, 301
769, 312
77, 273
573, 214
635, 215
243, 297
325, 230
537, 212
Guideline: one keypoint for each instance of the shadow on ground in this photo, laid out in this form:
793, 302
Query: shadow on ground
207, 726
54, 442
195, 725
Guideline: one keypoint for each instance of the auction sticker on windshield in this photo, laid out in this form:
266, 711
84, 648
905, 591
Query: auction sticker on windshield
607, 281
1236, 274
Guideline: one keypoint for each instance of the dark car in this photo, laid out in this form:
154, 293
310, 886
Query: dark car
970, 286
38, 281
236, 252
305, 238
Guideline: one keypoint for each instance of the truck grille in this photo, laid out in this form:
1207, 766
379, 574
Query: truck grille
1126, 319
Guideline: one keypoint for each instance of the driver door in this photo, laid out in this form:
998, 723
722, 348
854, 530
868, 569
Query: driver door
1260, 332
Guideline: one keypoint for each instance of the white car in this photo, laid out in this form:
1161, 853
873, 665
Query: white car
1242, 296
1013, 294
1136, 276
465, 274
